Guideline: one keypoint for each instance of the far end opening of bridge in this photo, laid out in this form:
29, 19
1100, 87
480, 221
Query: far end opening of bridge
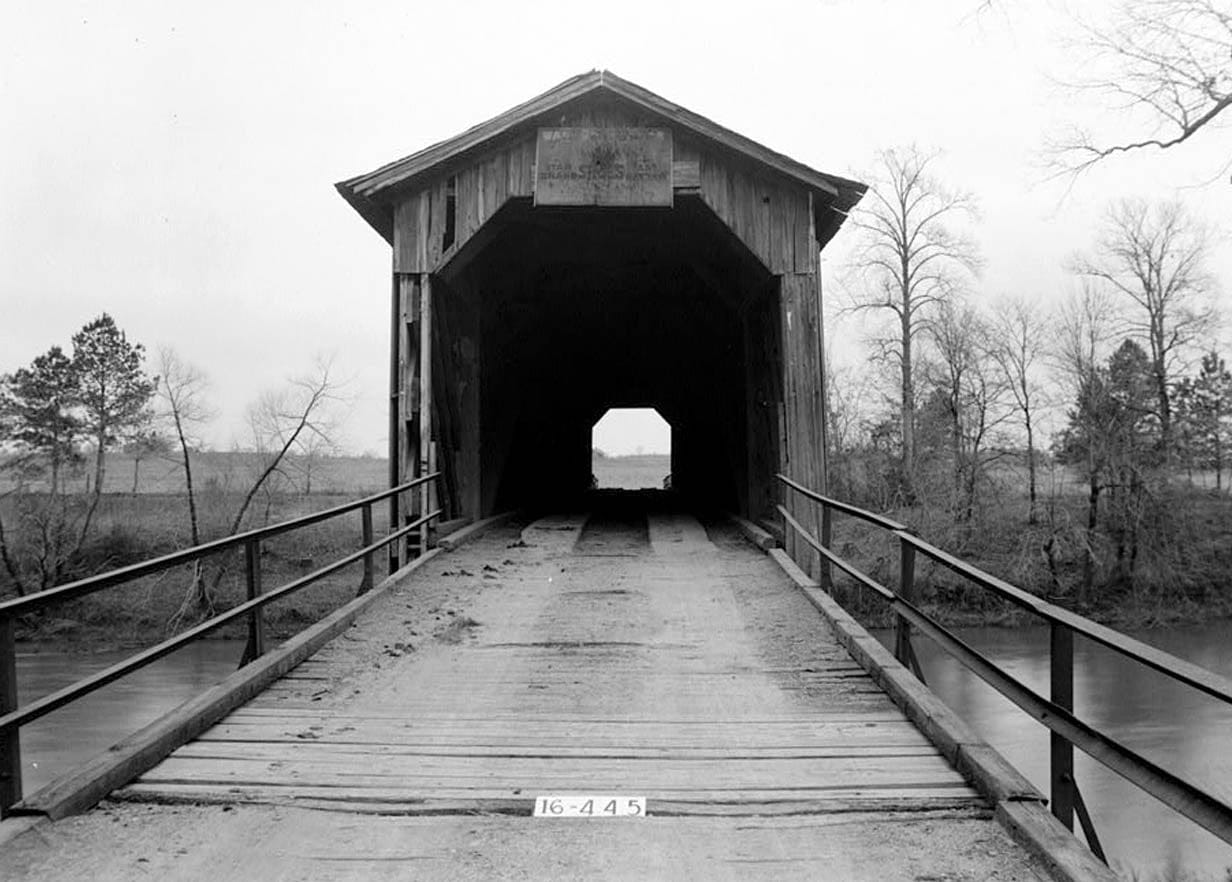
631, 449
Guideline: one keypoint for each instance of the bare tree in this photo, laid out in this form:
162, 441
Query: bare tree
182, 405
1019, 333
182, 402
278, 421
911, 260
848, 393
296, 420
1166, 64
970, 388
311, 449
1153, 256
1084, 334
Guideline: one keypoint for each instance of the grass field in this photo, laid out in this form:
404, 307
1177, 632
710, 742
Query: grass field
229, 471
631, 472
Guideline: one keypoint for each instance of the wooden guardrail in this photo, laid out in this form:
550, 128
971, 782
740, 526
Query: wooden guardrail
1055, 712
12, 717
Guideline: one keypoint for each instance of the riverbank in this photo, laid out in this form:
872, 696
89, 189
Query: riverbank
131, 529
1179, 574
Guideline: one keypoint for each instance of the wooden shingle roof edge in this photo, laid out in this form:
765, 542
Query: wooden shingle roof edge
365, 192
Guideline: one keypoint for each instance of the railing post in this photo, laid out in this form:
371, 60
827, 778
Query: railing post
827, 528
256, 617
10, 740
365, 584
1061, 662
906, 590
395, 521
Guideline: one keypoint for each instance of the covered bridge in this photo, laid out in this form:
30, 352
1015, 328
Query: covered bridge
599, 246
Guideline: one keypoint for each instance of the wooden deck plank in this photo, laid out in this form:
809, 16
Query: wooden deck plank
626, 663
281, 750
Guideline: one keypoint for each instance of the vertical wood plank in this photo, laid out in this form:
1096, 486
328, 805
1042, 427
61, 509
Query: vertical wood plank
408, 427
396, 325
780, 245
436, 224
406, 241
803, 226
762, 208
818, 384
425, 399
423, 222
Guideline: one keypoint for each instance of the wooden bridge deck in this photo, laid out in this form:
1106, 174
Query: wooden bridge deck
636, 658
641, 656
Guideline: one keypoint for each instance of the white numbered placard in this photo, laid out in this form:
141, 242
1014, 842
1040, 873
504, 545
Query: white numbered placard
590, 807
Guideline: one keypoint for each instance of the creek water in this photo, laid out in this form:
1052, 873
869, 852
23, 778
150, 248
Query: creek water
1181, 729
73, 734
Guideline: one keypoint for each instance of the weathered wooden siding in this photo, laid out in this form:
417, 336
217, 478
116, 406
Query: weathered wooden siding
803, 456
404, 398
764, 416
480, 189
456, 354
772, 219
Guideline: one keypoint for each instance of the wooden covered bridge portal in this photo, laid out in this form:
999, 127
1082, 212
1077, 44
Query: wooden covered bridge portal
594, 247
599, 247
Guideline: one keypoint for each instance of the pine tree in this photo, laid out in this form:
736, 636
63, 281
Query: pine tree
114, 390
1205, 404
39, 404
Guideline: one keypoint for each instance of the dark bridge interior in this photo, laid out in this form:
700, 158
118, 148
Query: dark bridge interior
562, 313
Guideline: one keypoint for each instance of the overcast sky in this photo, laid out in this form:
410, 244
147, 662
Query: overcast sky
173, 163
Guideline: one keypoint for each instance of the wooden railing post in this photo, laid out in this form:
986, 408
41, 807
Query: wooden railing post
827, 529
906, 590
395, 521
10, 740
1061, 663
365, 513
256, 617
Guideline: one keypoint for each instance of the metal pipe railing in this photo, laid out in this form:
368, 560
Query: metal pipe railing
1056, 713
12, 718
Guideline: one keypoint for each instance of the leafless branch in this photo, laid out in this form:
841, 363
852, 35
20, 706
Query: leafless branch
1165, 64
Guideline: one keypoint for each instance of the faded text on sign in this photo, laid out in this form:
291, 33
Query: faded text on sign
603, 166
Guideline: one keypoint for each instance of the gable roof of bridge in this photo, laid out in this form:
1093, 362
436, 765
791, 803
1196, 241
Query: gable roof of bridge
371, 194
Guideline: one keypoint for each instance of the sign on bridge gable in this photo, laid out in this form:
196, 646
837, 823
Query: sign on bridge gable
603, 166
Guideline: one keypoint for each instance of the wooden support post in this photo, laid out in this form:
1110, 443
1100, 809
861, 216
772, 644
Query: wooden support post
906, 590
365, 513
256, 618
827, 532
395, 419
1061, 661
426, 452
10, 739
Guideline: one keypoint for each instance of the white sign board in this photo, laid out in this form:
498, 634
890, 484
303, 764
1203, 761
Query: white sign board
607, 806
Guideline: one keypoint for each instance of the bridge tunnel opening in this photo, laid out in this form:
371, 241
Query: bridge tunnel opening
631, 449
552, 316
